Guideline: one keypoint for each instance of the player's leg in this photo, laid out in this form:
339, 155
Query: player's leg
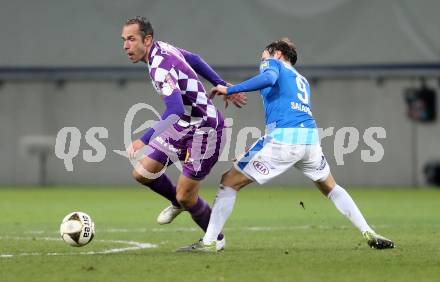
315, 167
203, 152
166, 149
198, 208
249, 167
231, 182
345, 204
155, 178
162, 185
260, 163
188, 197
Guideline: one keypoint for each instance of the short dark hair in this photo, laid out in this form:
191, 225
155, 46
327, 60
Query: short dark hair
286, 47
145, 26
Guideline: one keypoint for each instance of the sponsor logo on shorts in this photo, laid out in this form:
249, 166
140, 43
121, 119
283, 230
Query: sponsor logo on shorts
260, 167
166, 145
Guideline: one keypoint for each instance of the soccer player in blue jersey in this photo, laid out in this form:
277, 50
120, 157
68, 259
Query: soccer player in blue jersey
291, 140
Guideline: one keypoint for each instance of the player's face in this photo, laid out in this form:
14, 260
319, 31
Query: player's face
134, 45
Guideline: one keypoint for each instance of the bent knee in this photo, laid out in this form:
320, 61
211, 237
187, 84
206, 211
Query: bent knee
235, 179
186, 200
182, 199
224, 178
139, 178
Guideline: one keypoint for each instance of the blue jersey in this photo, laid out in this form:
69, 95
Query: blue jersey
287, 103
286, 99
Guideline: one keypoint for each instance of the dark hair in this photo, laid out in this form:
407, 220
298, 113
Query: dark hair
286, 47
145, 26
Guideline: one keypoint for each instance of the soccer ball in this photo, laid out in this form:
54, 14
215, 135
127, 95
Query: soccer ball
77, 229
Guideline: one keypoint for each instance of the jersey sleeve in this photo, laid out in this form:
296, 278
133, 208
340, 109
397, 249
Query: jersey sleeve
164, 78
269, 72
201, 67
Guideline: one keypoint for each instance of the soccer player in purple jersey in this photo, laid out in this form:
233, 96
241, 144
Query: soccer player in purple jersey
190, 129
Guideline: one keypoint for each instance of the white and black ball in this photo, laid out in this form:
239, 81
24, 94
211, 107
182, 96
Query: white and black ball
77, 229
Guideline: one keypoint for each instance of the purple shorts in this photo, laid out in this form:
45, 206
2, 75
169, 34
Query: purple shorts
197, 148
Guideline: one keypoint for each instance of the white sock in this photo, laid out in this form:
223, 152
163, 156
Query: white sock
345, 204
221, 210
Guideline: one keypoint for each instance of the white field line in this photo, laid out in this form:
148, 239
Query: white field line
194, 229
132, 246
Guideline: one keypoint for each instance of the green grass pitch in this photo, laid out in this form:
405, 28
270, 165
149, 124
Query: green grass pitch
270, 237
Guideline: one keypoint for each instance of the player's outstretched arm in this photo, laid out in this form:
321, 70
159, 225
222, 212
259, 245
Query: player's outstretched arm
258, 82
201, 67
204, 69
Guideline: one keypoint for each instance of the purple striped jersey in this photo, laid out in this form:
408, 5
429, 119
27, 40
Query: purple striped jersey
169, 71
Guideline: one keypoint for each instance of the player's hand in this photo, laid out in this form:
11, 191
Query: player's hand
218, 90
238, 99
134, 147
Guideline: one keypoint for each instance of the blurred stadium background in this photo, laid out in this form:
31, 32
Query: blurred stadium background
370, 64
62, 65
